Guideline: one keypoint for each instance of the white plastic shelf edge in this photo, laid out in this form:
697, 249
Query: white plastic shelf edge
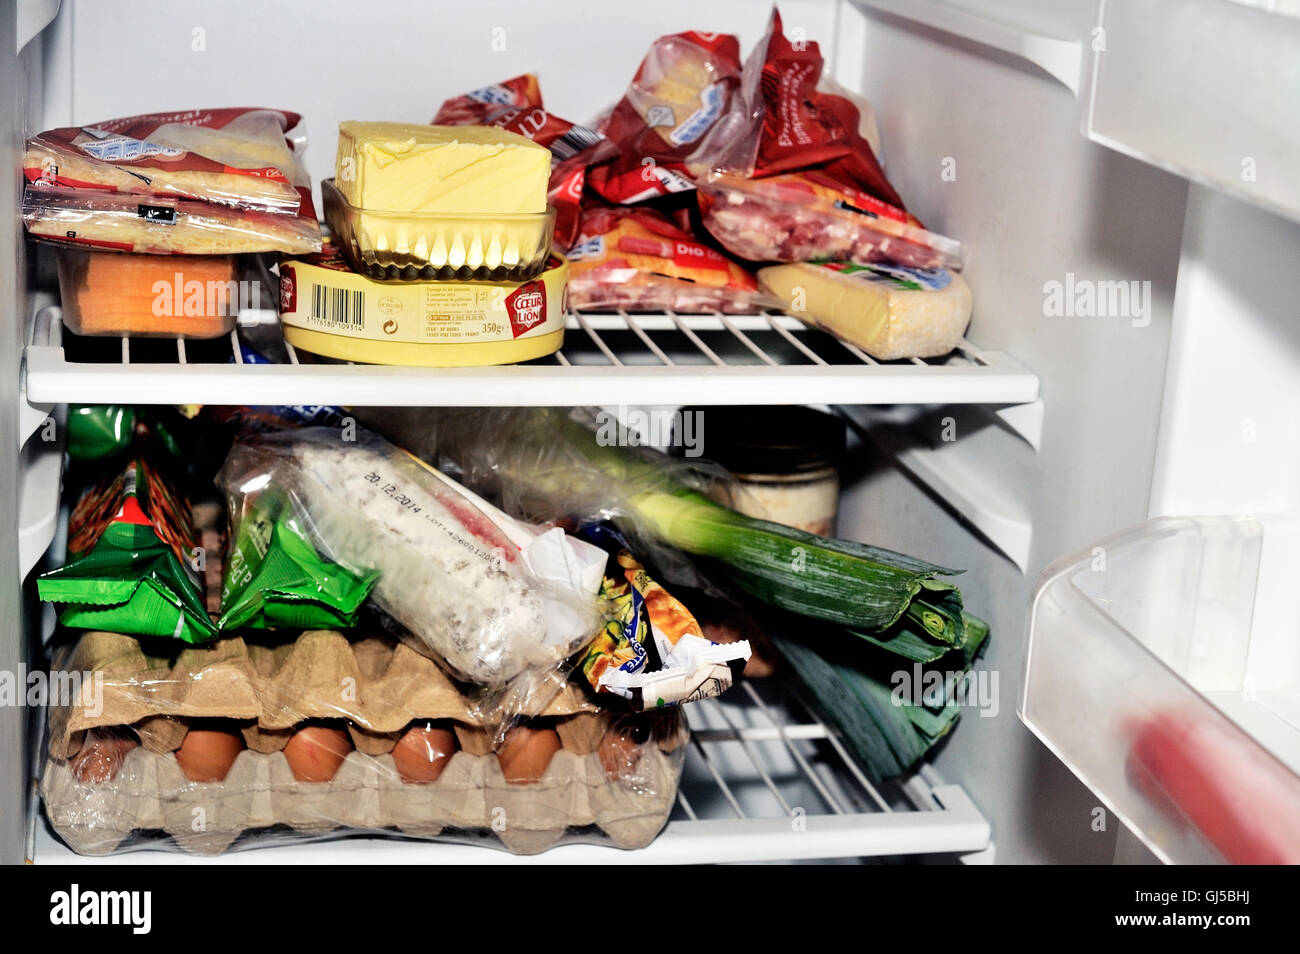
644, 359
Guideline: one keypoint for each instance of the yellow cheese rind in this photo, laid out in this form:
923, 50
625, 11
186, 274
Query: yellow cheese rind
443, 170
886, 321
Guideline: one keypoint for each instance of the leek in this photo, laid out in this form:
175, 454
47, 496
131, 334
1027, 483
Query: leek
833, 580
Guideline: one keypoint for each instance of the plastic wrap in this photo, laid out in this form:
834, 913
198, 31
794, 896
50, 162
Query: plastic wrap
790, 174
133, 560
516, 105
237, 157
637, 259
652, 653
243, 744
805, 217
501, 604
535, 463
680, 90
576, 467
164, 225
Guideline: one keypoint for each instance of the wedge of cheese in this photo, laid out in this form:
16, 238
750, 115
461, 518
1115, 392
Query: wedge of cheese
445, 170
889, 311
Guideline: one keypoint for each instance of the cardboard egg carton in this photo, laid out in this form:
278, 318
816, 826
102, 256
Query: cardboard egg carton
268, 691
377, 684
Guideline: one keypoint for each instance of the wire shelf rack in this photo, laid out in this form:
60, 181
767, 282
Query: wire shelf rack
615, 357
765, 779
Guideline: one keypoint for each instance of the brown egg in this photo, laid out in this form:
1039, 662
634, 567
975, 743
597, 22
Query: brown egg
423, 752
526, 752
619, 751
316, 752
100, 756
206, 755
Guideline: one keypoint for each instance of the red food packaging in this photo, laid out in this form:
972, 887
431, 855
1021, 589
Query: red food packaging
637, 259
516, 105
681, 89
1203, 772
794, 178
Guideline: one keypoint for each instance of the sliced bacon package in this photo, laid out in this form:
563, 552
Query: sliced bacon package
638, 259
682, 88
516, 105
239, 157
790, 175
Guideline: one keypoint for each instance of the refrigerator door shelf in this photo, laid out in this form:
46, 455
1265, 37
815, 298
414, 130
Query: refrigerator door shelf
1224, 82
765, 780
1163, 670
615, 358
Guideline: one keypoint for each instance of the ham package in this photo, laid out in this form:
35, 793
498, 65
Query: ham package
637, 259
682, 88
516, 105
789, 175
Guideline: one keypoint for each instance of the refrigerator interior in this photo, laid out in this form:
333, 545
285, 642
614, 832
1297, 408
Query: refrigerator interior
1001, 125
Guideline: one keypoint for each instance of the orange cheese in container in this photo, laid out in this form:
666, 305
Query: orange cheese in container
182, 296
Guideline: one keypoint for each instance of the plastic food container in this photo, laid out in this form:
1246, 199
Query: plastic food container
159, 296
1163, 669
769, 220
407, 246
330, 310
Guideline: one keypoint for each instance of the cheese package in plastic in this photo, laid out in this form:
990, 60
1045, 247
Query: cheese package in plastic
889, 311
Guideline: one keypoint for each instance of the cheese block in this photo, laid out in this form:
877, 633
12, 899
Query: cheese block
889, 311
448, 170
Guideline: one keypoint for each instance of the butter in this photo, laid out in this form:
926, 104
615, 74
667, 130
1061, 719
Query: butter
445, 170
440, 202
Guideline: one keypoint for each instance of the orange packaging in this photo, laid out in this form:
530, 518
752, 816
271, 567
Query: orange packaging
114, 293
636, 258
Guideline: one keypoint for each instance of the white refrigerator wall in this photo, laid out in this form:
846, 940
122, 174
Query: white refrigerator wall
1036, 203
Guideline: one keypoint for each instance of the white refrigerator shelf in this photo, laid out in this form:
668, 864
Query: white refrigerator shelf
607, 359
765, 780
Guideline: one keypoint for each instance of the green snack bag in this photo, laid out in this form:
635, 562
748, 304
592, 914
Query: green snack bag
276, 578
97, 431
131, 545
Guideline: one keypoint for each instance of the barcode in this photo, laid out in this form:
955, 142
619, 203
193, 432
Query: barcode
573, 142
338, 305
